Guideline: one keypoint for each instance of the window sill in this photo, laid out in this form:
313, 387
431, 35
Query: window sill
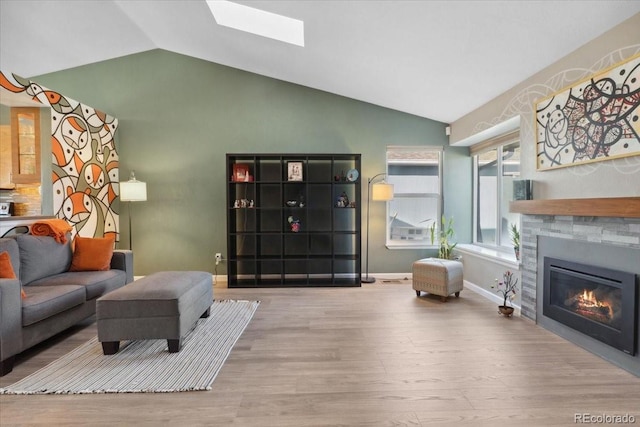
493, 255
394, 247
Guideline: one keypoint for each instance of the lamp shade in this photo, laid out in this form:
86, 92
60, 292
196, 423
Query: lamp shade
133, 190
382, 192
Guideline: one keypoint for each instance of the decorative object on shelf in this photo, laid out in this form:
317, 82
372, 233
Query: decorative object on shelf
294, 171
243, 203
292, 203
522, 189
445, 233
5, 208
381, 192
590, 121
241, 173
515, 239
343, 201
294, 223
132, 191
352, 175
507, 287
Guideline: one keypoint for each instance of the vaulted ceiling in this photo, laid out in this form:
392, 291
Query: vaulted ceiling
436, 59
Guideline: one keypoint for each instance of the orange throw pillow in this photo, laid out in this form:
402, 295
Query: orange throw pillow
6, 270
92, 254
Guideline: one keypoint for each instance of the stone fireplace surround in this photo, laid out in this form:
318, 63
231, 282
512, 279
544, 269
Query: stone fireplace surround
612, 240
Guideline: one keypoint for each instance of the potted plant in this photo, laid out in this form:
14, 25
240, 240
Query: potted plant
507, 287
445, 247
515, 239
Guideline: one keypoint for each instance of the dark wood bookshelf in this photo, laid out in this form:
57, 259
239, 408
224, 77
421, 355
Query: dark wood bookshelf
264, 247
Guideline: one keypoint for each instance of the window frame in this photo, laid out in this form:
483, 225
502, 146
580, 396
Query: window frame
499, 192
412, 244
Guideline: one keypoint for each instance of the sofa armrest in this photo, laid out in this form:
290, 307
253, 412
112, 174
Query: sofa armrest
122, 259
10, 318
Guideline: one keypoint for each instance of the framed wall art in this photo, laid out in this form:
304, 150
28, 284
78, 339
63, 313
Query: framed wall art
596, 119
294, 171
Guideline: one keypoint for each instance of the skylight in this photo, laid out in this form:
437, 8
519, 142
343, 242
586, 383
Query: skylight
256, 21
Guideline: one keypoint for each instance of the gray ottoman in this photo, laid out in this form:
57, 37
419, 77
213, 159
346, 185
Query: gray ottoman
164, 305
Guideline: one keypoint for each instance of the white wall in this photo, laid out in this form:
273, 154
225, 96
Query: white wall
611, 178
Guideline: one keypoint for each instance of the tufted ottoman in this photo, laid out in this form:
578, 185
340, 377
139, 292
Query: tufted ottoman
437, 276
164, 305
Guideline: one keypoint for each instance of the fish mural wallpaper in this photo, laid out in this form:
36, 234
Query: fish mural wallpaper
84, 160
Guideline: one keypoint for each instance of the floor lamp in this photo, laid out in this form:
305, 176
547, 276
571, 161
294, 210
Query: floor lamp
379, 192
132, 191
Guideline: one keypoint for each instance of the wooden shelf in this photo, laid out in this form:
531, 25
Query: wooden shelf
619, 207
264, 251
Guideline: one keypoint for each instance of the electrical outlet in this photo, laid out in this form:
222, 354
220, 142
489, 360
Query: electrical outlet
218, 258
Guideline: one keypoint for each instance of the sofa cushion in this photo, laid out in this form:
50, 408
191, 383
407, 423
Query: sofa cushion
42, 256
96, 283
9, 245
92, 254
46, 301
6, 270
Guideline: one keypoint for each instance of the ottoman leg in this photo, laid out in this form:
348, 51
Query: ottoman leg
110, 347
206, 313
457, 294
443, 299
174, 345
417, 293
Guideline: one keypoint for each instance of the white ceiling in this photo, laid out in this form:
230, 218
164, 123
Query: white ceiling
436, 59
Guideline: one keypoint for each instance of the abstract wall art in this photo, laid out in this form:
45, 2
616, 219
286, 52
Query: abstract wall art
85, 160
596, 119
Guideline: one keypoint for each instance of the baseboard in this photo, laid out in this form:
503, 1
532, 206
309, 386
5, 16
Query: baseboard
221, 280
391, 276
489, 295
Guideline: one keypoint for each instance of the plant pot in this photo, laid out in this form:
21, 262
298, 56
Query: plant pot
505, 310
517, 252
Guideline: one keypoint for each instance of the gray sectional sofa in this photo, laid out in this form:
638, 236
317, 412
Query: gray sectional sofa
55, 297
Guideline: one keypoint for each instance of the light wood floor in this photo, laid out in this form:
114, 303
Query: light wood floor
370, 356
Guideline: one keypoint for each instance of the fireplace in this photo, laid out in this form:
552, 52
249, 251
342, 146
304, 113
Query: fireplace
598, 302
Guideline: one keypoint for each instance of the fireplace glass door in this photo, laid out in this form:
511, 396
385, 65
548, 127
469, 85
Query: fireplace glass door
598, 302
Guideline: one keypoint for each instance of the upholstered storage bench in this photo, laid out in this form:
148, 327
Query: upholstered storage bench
437, 276
164, 305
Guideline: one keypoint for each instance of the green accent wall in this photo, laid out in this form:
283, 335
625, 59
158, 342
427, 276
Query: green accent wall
179, 116
5, 115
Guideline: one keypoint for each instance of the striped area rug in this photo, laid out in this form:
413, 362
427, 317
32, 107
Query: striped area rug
146, 366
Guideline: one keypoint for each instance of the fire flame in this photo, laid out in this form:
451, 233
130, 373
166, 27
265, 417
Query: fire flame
588, 300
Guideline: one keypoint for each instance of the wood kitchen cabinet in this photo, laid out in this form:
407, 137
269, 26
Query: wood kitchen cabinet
25, 145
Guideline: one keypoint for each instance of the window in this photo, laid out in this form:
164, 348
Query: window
416, 175
494, 172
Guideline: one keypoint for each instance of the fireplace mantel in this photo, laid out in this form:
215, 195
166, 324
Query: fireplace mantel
618, 207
